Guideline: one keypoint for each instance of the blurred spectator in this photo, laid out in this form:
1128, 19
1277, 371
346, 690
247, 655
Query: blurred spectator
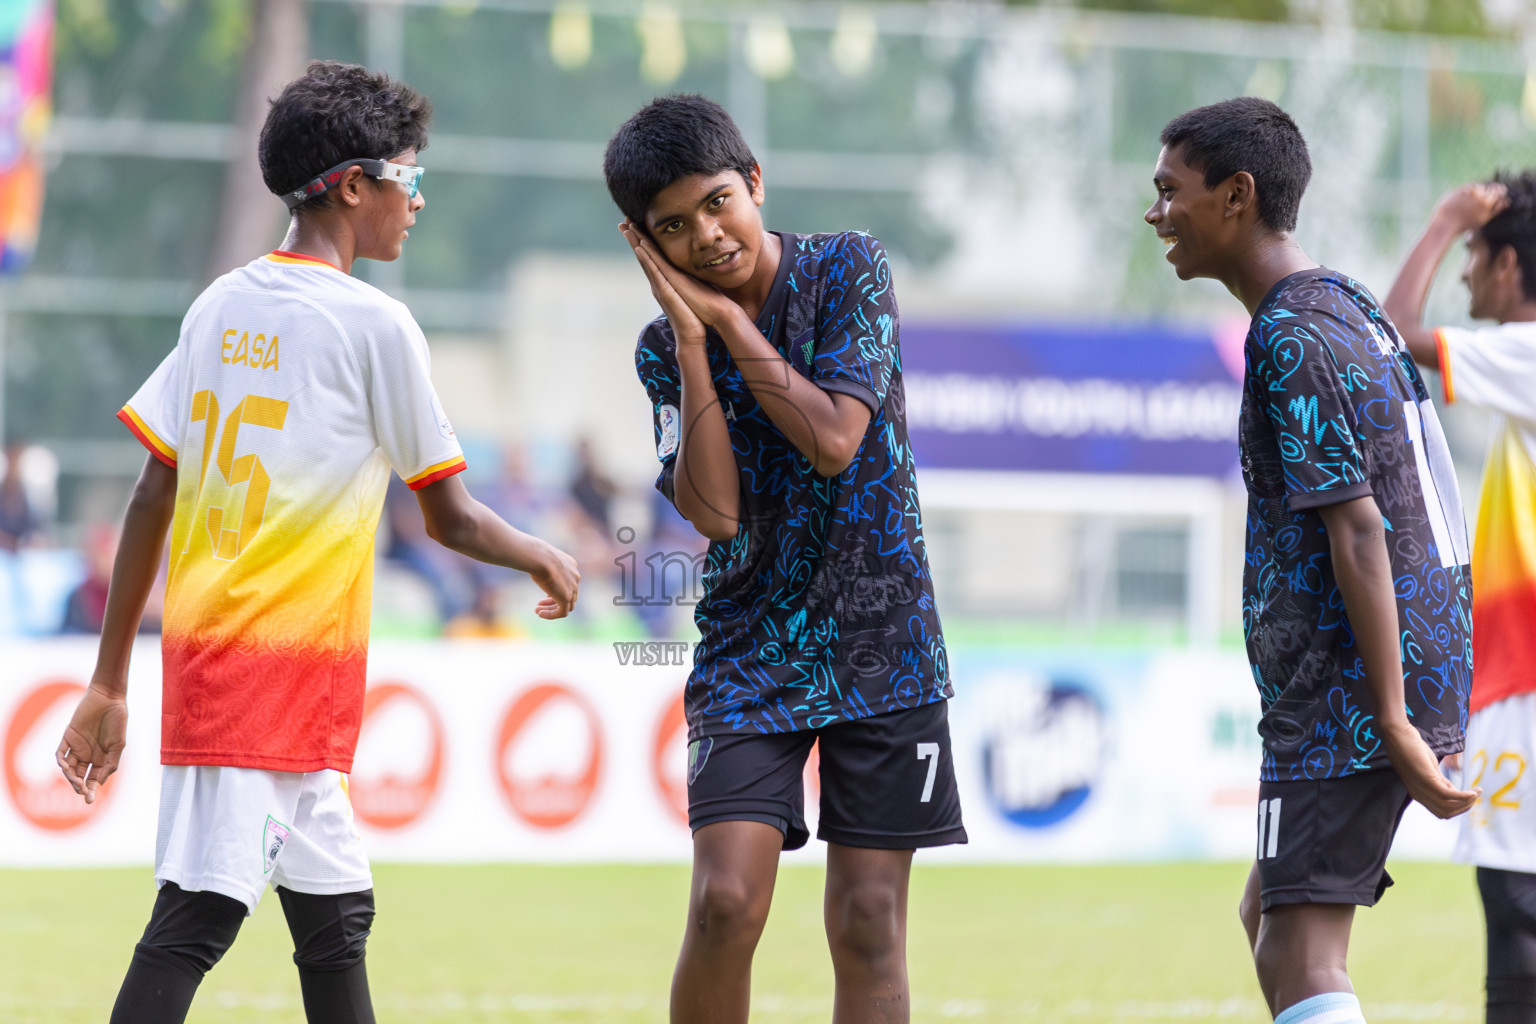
483, 620
443, 571
21, 516
86, 606
591, 489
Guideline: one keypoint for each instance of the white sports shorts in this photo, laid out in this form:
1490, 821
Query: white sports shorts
1500, 829
237, 830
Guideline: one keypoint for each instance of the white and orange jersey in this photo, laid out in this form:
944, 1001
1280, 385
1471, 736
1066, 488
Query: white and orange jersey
1495, 367
292, 392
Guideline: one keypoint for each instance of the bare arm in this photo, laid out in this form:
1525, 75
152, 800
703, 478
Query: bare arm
705, 482
1461, 210
706, 485
826, 427
94, 739
460, 523
1361, 564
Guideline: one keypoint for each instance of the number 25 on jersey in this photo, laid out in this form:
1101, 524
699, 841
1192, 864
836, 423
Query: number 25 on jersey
229, 534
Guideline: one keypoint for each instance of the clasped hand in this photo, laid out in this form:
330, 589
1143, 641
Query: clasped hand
690, 305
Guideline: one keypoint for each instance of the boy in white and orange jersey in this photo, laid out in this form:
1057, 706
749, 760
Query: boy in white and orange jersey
1495, 367
272, 428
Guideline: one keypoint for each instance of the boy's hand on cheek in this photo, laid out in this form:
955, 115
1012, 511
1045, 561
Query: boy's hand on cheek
687, 328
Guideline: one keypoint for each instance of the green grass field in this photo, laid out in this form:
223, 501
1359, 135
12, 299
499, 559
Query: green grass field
562, 944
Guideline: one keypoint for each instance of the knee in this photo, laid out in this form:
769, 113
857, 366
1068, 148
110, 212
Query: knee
191, 930
865, 922
330, 932
729, 909
1249, 911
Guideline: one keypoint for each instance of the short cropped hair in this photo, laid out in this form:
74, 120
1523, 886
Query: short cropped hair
337, 112
667, 140
1253, 135
1516, 225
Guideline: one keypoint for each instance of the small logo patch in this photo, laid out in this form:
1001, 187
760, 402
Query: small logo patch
272, 839
443, 426
698, 753
667, 419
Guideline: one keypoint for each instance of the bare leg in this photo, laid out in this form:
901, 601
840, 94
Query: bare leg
866, 917
734, 865
1248, 908
1300, 952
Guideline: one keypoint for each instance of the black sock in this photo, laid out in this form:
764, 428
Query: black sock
337, 997
1512, 1000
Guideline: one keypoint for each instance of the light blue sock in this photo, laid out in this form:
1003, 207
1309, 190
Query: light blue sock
1328, 1008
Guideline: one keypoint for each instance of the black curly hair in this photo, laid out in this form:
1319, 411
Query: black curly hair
667, 140
337, 112
1516, 225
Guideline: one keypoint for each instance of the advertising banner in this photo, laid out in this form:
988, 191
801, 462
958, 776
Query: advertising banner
480, 751
1074, 398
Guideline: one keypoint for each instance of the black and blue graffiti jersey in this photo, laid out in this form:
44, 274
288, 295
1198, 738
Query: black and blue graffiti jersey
820, 609
1333, 410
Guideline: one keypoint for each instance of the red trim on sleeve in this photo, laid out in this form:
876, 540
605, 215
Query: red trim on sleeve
435, 474
1443, 351
147, 439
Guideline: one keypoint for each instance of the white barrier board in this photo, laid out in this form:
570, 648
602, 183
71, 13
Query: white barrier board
491, 751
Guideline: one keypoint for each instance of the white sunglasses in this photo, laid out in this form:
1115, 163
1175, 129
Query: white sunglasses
408, 175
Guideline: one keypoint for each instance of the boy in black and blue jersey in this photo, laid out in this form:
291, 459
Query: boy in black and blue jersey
1356, 590
775, 382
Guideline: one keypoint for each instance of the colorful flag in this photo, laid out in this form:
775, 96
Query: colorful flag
26, 70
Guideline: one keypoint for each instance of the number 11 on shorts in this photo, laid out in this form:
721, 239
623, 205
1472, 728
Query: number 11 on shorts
928, 752
1269, 813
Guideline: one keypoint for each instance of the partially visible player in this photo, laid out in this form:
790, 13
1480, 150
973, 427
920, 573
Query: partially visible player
272, 429
1356, 597
1495, 367
774, 378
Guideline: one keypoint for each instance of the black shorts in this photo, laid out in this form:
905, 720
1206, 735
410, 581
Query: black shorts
887, 782
1326, 840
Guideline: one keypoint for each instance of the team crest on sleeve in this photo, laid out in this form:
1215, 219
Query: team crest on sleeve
668, 420
273, 837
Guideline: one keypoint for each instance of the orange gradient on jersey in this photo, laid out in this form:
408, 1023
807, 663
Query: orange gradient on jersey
1504, 575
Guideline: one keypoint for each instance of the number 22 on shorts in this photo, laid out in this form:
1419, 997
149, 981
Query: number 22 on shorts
1500, 799
252, 410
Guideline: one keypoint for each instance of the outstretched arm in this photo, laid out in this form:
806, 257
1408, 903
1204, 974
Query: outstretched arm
460, 523
826, 428
1357, 539
94, 739
1460, 210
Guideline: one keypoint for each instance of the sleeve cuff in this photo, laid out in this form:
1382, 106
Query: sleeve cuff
148, 438
1443, 351
851, 388
441, 471
1332, 496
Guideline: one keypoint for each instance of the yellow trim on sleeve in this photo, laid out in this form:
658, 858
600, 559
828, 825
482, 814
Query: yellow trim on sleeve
457, 462
149, 436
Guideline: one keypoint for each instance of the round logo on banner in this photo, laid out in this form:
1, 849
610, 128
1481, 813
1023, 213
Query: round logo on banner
1042, 751
37, 788
549, 755
669, 759
400, 757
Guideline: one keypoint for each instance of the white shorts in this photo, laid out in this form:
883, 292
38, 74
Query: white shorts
1500, 829
236, 830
